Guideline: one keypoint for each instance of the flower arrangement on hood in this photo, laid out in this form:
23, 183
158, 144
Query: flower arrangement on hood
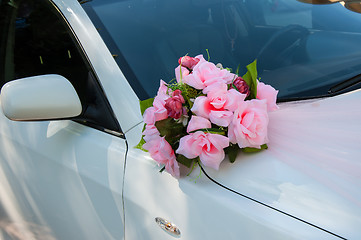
207, 113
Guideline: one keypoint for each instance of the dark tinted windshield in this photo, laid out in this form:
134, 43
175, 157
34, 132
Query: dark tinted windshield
303, 50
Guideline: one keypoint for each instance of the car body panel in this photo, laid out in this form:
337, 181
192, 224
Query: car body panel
66, 179
197, 206
312, 166
62, 177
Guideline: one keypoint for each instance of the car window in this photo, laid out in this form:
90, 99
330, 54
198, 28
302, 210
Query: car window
284, 12
303, 50
36, 40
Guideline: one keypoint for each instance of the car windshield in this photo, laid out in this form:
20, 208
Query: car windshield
303, 50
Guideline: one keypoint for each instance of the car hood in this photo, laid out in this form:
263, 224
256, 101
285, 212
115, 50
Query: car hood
312, 168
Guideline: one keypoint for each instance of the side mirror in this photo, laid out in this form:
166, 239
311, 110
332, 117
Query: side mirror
45, 97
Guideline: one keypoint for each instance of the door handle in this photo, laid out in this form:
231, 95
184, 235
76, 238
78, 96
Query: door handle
168, 226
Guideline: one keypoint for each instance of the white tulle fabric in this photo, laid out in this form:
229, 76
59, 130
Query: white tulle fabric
321, 139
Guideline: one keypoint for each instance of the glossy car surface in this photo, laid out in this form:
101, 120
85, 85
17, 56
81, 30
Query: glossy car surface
65, 175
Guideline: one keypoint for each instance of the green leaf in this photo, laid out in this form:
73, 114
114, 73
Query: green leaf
251, 79
253, 150
185, 161
141, 142
145, 104
237, 71
171, 130
140, 145
232, 152
211, 130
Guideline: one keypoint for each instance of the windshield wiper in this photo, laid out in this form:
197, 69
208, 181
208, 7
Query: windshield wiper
346, 85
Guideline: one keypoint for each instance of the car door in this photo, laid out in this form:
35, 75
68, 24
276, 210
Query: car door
58, 179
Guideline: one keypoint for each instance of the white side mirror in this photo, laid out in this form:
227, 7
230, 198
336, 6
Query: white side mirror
43, 97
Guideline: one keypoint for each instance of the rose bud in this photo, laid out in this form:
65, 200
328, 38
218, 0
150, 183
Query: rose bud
240, 85
188, 62
174, 105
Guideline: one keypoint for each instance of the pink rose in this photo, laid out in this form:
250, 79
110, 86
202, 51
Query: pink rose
159, 111
249, 125
174, 105
160, 150
218, 105
206, 73
188, 62
268, 93
209, 147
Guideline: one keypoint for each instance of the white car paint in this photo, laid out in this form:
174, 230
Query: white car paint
63, 177
200, 208
41, 97
312, 167
64, 180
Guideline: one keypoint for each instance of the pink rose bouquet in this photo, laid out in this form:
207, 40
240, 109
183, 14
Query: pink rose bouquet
208, 113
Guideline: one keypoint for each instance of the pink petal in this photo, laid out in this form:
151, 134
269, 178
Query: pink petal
178, 70
163, 89
201, 106
218, 141
212, 158
150, 132
249, 125
187, 147
215, 153
201, 58
172, 167
218, 103
214, 89
198, 122
268, 93
194, 80
148, 115
221, 118
248, 119
234, 98
161, 151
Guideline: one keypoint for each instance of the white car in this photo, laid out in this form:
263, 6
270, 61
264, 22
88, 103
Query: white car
72, 74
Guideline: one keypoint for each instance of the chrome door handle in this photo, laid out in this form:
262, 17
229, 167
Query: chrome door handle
168, 226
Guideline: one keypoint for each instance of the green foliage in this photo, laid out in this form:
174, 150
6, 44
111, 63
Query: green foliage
211, 130
141, 142
171, 130
140, 145
232, 152
209, 57
185, 161
188, 92
237, 71
145, 104
251, 79
253, 150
